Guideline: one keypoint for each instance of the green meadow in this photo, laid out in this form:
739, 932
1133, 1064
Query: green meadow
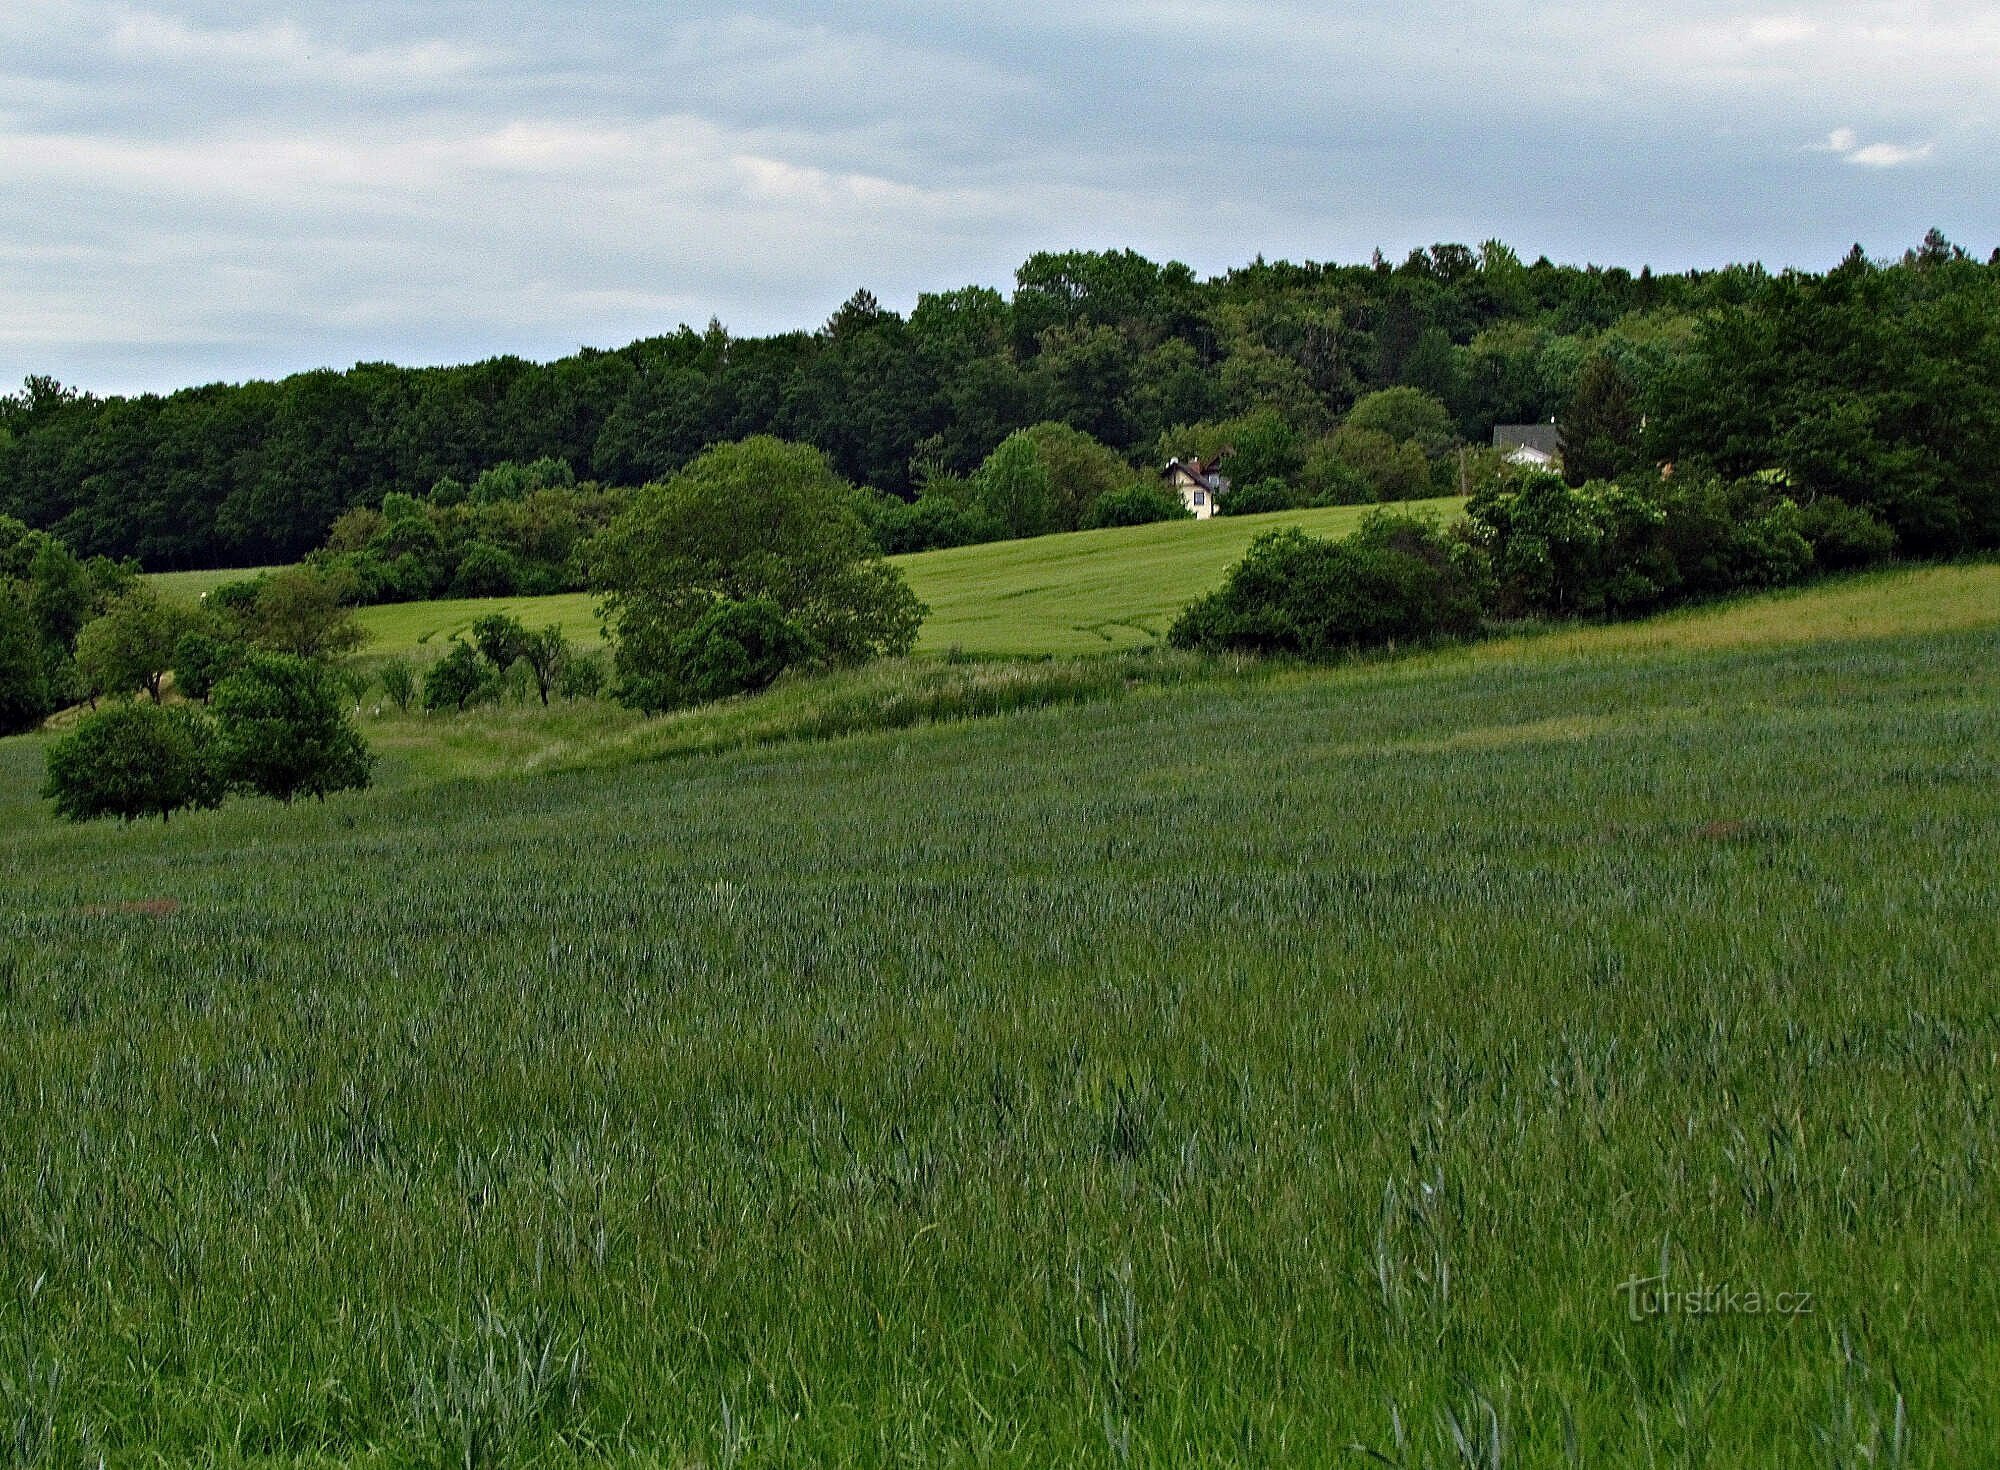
1578, 1049
1088, 592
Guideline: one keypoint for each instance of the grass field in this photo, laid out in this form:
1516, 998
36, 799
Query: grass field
513, 739
1238, 1071
1091, 592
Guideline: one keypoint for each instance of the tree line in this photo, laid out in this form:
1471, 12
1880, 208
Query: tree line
1137, 355
1832, 423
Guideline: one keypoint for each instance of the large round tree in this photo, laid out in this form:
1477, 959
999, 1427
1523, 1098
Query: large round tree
760, 521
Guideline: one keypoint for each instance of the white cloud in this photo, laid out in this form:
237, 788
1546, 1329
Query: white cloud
284, 48
1891, 155
1846, 142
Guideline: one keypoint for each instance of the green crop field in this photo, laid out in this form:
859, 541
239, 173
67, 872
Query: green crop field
1095, 591
1090, 592
1577, 1050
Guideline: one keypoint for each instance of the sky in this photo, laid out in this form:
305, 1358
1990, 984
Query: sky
198, 190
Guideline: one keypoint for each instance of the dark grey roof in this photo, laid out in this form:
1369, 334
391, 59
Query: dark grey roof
1547, 438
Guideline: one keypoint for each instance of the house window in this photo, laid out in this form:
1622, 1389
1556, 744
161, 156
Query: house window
1200, 499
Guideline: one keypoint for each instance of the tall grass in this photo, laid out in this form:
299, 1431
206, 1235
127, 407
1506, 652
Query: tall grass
1289, 1072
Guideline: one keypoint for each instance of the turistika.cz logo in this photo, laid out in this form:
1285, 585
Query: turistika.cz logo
1647, 1297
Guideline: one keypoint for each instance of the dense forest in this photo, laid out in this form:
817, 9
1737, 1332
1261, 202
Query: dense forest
1878, 383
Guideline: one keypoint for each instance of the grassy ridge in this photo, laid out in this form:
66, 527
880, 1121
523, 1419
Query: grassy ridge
1227, 1076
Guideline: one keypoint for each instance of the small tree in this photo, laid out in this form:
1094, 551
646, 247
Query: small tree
581, 677
500, 639
284, 730
131, 647
399, 683
202, 660
24, 689
1396, 579
487, 571
303, 612
457, 680
758, 520
135, 760
547, 654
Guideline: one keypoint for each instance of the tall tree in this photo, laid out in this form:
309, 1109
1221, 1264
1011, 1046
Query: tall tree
1601, 428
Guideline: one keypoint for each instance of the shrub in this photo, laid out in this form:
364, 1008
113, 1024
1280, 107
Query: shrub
581, 677
1396, 579
1259, 497
399, 683
135, 760
1138, 504
458, 680
486, 571
1724, 538
929, 523
736, 648
1843, 535
283, 730
202, 660
1563, 550
234, 598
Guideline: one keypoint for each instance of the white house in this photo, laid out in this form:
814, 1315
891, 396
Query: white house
1197, 484
1539, 446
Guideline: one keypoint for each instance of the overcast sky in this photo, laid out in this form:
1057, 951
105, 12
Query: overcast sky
195, 189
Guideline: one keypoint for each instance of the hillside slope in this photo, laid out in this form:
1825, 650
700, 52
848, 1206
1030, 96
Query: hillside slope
1228, 1075
1086, 592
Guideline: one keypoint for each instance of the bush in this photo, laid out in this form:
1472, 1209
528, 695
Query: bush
929, 523
1397, 579
1592, 549
486, 571
1259, 497
458, 680
399, 683
1727, 538
135, 760
582, 676
234, 598
1138, 504
1844, 536
283, 730
202, 660
737, 648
